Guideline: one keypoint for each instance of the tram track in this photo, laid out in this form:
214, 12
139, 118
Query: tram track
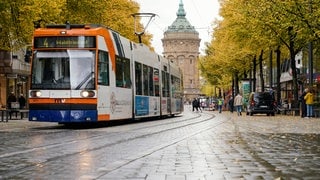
62, 130
97, 137
122, 163
139, 132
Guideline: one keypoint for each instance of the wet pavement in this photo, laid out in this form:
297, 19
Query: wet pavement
257, 147
223, 146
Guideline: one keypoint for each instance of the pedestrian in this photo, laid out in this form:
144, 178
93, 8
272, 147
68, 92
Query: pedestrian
203, 105
220, 103
22, 101
303, 103
11, 98
194, 104
198, 105
231, 106
289, 101
309, 103
238, 103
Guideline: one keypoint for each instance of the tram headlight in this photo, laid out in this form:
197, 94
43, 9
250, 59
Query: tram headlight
35, 93
87, 93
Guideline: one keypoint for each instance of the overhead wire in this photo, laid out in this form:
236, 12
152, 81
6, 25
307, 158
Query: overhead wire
194, 5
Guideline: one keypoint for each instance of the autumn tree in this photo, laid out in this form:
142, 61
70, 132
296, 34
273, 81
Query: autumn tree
250, 27
19, 17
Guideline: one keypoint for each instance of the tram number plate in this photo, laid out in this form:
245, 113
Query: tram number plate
59, 100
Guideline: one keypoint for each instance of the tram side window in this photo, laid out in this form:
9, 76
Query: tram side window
151, 88
103, 68
138, 78
145, 80
148, 84
165, 84
176, 90
156, 82
123, 72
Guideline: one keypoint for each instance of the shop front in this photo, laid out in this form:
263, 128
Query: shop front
14, 76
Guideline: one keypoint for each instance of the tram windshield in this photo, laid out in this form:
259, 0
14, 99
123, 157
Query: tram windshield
65, 69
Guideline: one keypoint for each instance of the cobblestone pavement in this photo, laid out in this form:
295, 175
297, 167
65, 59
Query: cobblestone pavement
245, 147
231, 147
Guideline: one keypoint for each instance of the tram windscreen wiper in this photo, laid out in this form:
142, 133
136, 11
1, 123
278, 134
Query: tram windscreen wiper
89, 76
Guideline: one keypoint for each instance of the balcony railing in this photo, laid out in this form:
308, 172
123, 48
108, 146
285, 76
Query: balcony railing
12, 65
20, 67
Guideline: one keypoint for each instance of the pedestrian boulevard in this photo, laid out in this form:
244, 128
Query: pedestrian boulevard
245, 147
237, 147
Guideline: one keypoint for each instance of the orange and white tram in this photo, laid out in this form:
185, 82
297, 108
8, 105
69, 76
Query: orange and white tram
90, 73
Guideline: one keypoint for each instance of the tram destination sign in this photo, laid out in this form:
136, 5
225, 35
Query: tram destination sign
65, 42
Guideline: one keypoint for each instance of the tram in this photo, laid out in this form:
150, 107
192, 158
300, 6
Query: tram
90, 73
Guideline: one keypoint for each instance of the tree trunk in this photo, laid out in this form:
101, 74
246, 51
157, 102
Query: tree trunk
278, 56
261, 70
254, 74
236, 82
233, 86
270, 70
293, 68
250, 79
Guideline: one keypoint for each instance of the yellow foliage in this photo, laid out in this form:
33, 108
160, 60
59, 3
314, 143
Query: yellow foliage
247, 27
19, 17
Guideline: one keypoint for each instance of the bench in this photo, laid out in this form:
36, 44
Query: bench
6, 114
23, 112
292, 111
288, 111
282, 110
316, 112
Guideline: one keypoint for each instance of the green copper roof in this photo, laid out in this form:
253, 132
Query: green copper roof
181, 24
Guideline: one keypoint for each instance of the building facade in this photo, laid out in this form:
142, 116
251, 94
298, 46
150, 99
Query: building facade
181, 44
14, 75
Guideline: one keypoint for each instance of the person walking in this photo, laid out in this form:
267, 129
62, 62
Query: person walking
238, 103
303, 103
220, 103
194, 104
309, 102
199, 105
11, 98
22, 101
230, 103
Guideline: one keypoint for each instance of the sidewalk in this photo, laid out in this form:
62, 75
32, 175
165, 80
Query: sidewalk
18, 124
280, 123
226, 146
276, 124
241, 147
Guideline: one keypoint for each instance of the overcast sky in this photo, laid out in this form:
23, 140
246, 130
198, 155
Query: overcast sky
200, 14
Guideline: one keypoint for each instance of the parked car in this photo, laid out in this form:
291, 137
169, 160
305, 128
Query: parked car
261, 103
